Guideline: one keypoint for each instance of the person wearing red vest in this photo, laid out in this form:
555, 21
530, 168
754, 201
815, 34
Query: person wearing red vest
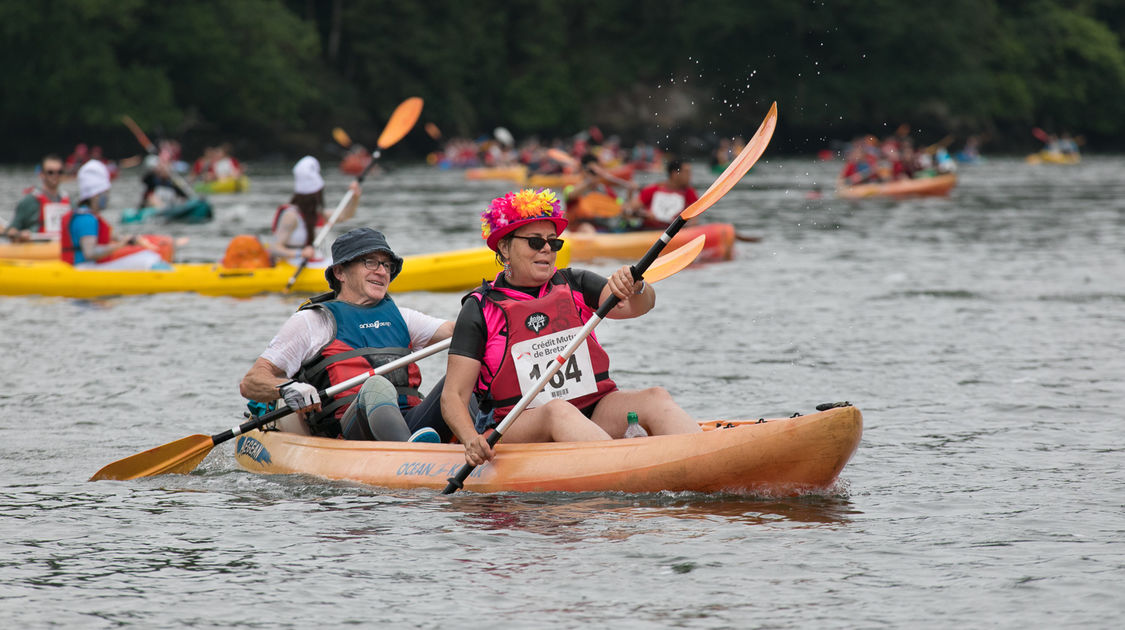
87, 240
42, 209
659, 204
512, 327
343, 333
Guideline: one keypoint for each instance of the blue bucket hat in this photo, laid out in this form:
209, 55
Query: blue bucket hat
355, 244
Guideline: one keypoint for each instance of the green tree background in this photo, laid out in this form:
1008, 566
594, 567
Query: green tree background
275, 76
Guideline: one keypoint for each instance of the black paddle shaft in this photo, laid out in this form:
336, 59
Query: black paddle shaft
457, 482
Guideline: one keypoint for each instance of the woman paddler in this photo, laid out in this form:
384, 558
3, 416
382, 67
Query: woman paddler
295, 223
511, 328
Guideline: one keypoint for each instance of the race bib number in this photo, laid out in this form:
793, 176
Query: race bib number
666, 206
534, 357
53, 214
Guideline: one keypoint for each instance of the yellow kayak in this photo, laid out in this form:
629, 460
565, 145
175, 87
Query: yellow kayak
456, 270
1053, 157
223, 186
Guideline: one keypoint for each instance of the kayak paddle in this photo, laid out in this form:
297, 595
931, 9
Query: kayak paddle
151, 149
183, 455
721, 186
401, 122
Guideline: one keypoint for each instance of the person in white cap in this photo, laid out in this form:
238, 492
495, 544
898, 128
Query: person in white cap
295, 223
87, 240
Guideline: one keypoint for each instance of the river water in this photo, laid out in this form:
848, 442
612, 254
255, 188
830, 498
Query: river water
981, 335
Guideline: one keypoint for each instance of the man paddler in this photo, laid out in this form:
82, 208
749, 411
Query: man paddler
343, 333
659, 204
39, 214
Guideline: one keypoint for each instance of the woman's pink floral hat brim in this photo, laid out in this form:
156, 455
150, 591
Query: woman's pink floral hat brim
505, 214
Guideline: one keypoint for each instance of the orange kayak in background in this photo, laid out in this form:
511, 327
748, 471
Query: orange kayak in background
50, 250
586, 246
937, 186
41, 250
784, 456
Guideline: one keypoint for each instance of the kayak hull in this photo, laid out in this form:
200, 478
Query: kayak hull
923, 187
1053, 157
224, 186
586, 246
192, 212
785, 456
42, 250
447, 271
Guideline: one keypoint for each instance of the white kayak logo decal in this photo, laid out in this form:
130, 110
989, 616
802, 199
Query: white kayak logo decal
536, 322
375, 325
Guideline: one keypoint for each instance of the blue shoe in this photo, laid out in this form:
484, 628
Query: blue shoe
425, 434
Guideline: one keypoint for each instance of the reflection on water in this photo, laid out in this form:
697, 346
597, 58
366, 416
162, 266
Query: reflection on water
612, 515
980, 335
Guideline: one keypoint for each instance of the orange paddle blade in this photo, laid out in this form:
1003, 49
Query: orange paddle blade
138, 133
670, 263
341, 137
433, 131
561, 157
181, 456
401, 122
721, 186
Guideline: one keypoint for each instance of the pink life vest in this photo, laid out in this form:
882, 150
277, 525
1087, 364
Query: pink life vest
512, 317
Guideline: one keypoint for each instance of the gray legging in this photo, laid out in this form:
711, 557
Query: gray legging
372, 415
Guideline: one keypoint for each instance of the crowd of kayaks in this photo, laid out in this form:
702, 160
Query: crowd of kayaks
776, 457
447, 271
35, 268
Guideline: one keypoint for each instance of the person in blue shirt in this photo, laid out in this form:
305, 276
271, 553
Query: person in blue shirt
88, 241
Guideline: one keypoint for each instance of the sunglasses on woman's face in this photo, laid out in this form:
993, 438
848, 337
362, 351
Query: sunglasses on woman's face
537, 242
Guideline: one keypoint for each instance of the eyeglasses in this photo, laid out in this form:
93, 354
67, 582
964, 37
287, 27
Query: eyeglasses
537, 242
52, 172
374, 264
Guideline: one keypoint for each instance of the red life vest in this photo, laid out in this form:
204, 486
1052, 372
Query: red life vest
51, 212
512, 317
69, 246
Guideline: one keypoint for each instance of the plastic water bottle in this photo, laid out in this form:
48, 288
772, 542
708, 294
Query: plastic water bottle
634, 429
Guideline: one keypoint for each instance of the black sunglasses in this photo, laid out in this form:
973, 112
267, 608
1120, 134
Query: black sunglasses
537, 242
52, 172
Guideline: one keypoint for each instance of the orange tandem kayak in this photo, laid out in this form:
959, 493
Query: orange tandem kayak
784, 456
586, 246
937, 186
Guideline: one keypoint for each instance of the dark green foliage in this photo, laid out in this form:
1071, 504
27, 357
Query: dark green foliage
278, 74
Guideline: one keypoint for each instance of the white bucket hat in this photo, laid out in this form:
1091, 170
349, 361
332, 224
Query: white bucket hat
93, 179
306, 176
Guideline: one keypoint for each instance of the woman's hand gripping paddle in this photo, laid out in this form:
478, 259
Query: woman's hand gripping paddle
400, 123
183, 455
721, 186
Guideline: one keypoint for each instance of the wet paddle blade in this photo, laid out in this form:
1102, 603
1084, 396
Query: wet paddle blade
562, 157
341, 137
181, 456
672, 262
734, 172
401, 122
